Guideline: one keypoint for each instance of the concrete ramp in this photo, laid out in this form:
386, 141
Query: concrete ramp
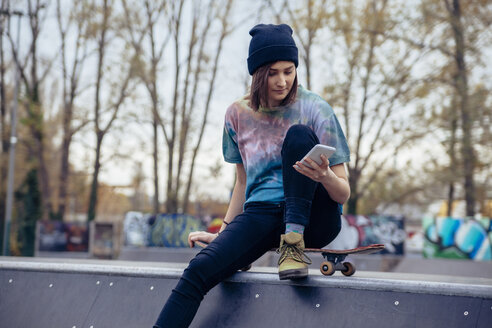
45, 293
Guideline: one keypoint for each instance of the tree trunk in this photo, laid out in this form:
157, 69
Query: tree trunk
354, 193
449, 211
36, 114
171, 192
355, 170
461, 81
352, 205
156, 164
30, 212
91, 213
70, 86
64, 167
452, 156
185, 118
44, 177
171, 197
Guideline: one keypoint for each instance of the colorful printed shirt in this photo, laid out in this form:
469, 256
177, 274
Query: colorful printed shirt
255, 139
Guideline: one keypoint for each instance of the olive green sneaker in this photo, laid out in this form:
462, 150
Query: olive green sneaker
293, 263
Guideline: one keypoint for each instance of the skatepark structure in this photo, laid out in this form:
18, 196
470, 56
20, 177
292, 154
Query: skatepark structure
51, 293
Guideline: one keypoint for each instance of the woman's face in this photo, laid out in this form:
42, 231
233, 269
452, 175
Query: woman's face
281, 77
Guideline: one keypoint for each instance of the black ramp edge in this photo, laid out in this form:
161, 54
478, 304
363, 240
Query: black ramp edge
80, 294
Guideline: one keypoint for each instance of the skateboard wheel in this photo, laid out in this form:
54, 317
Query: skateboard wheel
349, 269
327, 268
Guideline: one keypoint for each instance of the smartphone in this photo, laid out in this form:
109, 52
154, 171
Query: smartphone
315, 154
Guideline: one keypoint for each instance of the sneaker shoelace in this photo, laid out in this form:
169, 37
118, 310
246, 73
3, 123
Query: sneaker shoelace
293, 252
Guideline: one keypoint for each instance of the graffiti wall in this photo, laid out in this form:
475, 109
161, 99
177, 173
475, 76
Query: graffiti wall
136, 227
55, 236
458, 238
359, 230
171, 230
168, 230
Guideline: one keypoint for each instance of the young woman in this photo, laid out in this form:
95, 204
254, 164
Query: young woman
276, 199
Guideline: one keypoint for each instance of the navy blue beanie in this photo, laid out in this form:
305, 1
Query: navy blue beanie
271, 43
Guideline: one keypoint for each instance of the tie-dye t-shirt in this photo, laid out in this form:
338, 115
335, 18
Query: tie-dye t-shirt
255, 139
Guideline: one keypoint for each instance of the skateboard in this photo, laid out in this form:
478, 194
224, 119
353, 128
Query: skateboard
334, 258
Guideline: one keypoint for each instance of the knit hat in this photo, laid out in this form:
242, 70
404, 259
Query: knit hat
271, 43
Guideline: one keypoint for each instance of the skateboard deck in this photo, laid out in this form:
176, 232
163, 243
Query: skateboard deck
334, 258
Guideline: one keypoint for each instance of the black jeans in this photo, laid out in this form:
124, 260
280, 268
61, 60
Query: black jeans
255, 231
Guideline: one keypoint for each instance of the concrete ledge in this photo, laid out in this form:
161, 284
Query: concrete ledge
81, 293
393, 282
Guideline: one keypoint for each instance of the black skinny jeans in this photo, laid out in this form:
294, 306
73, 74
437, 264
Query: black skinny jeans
255, 231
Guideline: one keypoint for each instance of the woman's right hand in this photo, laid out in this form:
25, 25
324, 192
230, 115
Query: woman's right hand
203, 236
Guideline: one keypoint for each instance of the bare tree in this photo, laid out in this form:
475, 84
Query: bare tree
307, 20
225, 30
32, 77
461, 84
366, 84
196, 51
170, 137
372, 92
456, 31
184, 126
119, 92
153, 14
185, 111
78, 17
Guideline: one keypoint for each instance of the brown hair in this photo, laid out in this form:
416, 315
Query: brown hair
258, 95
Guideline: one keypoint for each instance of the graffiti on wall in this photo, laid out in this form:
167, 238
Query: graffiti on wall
458, 238
168, 230
55, 236
171, 230
136, 228
360, 230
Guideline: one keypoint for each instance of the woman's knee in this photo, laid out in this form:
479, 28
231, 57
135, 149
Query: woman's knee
297, 129
299, 137
301, 132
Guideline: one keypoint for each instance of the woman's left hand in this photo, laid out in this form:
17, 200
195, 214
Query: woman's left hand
319, 173
202, 236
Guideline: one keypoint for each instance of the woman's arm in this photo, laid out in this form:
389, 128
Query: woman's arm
235, 208
333, 178
238, 196
337, 186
